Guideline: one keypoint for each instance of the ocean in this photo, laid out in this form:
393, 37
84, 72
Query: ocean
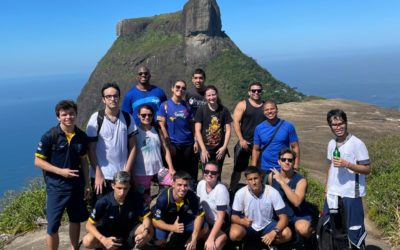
28, 111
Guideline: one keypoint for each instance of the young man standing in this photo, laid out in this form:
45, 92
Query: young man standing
253, 210
115, 222
61, 154
195, 97
178, 211
112, 141
346, 178
246, 116
143, 93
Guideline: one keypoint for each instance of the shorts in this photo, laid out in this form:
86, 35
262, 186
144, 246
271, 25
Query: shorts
241, 157
294, 218
127, 240
251, 232
57, 203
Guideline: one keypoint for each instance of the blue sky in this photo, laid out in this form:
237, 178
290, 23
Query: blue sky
57, 37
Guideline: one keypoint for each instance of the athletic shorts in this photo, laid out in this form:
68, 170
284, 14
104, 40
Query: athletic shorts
241, 157
293, 219
57, 203
127, 241
265, 230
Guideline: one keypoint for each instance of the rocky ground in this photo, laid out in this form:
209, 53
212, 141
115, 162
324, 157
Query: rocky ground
366, 121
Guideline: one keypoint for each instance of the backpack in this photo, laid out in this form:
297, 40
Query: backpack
332, 233
100, 119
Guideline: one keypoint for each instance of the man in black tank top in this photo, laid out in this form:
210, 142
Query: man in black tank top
246, 116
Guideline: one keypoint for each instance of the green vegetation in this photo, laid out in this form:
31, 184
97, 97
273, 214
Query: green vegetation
315, 190
383, 189
21, 210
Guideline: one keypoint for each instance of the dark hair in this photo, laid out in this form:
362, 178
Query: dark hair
254, 84
336, 114
145, 106
122, 177
110, 85
199, 71
252, 170
287, 151
65, 104
270, 101
173, 85
212, 87
211, 163
180, 174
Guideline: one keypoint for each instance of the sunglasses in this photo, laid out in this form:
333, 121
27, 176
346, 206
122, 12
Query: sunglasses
146, 115
287, 159
143, 73
210, 172
178, 87
256, 90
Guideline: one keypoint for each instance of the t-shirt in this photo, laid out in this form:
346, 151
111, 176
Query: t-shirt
119, 219
343, 181
195, 99
148, 160
135, 98
178, 118
111, 143
63, 153
213, 125
214, 201
258, 208
285, 136
167, 210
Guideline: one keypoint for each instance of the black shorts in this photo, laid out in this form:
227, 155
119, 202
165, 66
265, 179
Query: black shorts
241, 157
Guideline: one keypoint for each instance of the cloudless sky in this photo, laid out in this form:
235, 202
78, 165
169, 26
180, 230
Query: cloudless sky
53, 37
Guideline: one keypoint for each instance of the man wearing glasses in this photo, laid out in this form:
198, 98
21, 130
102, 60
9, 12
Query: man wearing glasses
143, 93
246, 116
346, 178
112, 144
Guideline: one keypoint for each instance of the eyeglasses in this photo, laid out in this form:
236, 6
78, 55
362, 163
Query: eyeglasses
178, 87
109, 97
287, 159
210, 172
146, 115
337, 124
256, 90
143, 73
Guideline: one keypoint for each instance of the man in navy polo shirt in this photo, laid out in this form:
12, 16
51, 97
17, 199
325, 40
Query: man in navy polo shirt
178, 211
61, 155
143, 93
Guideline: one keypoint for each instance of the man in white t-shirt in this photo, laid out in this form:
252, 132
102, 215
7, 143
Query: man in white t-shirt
346, 177
112, 145
252, 212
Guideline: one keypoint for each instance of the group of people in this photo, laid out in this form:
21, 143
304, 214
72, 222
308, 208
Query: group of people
152, 137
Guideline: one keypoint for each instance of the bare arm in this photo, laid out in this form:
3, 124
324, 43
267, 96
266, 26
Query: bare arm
192, 242
105, 241
168, 157
99, 181
46, 166
295, 197
176, 227
199, 138
237, 118
164, 131
221, 151
358, 168
217, 226
295, 146
255, 154
132, 154
246, 222
268, 238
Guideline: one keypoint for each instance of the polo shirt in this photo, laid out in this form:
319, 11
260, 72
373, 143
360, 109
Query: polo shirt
258, 208
285, 136
167, 209
135, 98
119, 219
63, 153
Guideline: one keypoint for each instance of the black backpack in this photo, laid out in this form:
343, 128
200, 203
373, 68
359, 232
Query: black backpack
100, 119
333, 234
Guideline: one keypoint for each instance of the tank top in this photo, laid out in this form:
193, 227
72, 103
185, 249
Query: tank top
252, 116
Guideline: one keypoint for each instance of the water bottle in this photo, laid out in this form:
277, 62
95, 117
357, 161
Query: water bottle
336, 153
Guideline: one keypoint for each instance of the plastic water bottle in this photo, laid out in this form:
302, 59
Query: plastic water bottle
336, 153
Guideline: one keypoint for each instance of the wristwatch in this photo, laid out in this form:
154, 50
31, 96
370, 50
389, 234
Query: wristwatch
277, 231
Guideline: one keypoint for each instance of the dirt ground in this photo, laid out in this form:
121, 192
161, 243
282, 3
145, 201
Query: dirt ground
365, 121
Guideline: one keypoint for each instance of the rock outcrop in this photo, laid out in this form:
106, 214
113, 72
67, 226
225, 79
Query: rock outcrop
172, 46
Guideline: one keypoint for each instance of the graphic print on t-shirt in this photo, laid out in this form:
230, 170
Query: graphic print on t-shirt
213, 132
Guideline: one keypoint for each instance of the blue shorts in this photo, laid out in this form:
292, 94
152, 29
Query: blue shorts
293, 219
250, 231
163, 234
354, 215
57, 203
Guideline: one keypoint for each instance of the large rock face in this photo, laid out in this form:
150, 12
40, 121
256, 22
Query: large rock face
172, 46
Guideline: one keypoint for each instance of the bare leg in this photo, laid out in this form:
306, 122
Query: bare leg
74, 232
52, 241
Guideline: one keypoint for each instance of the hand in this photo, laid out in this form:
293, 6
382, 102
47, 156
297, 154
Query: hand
277, 176
221, 153
244, 144
210, 244
268, 238
246, 221
191, 244
339, 162
178, 227
99, 182
110, 244
196, 147
204, 156
140, 239
68, 173
171, 171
